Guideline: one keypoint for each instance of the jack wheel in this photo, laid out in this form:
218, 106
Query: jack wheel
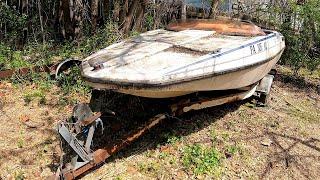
263, 100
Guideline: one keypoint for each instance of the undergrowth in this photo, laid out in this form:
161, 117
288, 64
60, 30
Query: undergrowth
36, 54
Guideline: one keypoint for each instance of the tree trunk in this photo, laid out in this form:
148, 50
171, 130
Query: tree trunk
140, 15
183, 10
213, 9
106, 10
24, 11
78, 21
65, 22
94, 15
123, 11
116, 11
41, 22
128, 19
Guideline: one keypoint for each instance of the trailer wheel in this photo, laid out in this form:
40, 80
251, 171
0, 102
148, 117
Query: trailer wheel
263, 90
263, 100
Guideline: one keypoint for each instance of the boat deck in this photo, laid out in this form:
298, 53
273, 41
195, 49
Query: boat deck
151, 54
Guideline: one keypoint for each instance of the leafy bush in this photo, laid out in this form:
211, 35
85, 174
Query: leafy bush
14, 21
300, 24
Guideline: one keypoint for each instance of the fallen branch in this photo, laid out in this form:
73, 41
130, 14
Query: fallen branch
25, 70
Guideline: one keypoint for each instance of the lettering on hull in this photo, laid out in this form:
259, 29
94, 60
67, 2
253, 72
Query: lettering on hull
259, 47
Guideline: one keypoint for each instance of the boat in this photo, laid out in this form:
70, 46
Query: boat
223, 61
186, 57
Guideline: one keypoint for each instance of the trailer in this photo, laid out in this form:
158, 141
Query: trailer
78, 134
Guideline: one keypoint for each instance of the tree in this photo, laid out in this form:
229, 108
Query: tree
213, 9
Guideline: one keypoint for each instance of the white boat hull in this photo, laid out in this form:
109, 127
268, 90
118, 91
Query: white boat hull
233, 80
163, 64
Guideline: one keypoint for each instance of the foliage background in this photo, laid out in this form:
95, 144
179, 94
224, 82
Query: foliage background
34, 32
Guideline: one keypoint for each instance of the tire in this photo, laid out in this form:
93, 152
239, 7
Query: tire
263, 99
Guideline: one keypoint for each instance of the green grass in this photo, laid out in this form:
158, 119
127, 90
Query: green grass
201, 159
234, 149
172, 139
20, 143
19, 175
72, 82
35, 94
149, 167
303, 113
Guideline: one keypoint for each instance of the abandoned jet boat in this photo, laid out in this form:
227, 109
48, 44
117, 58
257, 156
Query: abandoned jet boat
186, 57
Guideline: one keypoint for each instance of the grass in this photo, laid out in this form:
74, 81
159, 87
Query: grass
304, 112
72, 82
172, 138
174, 151
20, 143
201, 159
220, 147
149, 167
303, 72
35, 94
233, 149
19, 176
49, 52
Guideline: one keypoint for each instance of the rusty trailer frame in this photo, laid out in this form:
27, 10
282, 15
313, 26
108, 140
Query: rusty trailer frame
91, 159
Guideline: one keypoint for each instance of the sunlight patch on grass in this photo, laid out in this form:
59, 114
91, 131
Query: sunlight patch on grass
304, 111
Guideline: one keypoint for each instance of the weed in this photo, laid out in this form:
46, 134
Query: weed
213, 135
173, 139
42, 100
170, 138
63, 101
151, 167
225, 136
20, 143
200, 159
72, 82
29, 96
304, 112
233, 149
19, 175
173, 160
149, 21
149, 153
249, 105
163, 155
27, 99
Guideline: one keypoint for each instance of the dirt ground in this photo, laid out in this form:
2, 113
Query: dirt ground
280, 141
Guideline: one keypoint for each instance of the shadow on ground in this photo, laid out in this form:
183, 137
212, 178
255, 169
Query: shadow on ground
136, 111
132, 112
288, 154
298, 82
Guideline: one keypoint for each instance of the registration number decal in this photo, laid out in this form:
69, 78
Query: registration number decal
259, 47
